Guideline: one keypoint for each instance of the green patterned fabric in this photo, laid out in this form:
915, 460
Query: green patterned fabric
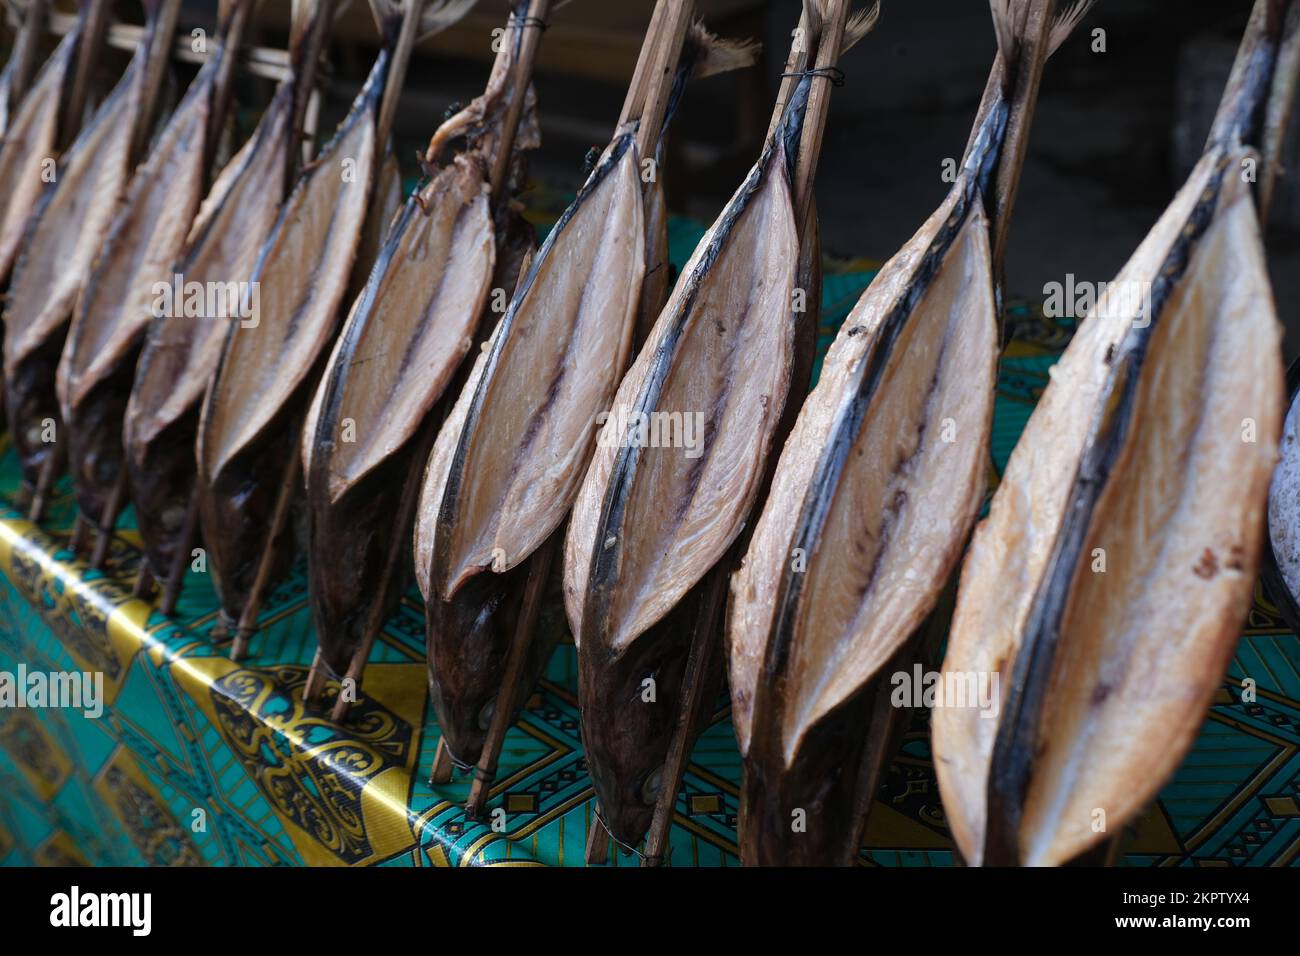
197, 760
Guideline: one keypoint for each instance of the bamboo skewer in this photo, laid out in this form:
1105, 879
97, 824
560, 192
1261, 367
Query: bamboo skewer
248, 617
91, 43
176, 577
696, 688
44, 484
503, 712
659, 77
108, 520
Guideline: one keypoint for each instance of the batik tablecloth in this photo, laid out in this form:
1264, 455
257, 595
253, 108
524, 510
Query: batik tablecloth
198, 760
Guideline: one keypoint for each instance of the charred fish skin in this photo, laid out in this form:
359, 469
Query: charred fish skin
161, 479
629, 704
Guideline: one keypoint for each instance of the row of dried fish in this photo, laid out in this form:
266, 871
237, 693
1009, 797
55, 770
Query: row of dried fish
820, 536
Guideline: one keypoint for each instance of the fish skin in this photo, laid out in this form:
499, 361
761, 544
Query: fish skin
258, 392
96, 369
62, 240
28, 143
1138, 682
181, 353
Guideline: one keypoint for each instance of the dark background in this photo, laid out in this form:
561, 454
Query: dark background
1114, 135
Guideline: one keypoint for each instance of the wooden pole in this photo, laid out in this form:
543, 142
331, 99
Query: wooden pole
523, 71
503, 713
248, 617
108, 520
176, 576
44, 483
695, 701
597, 843
94, 25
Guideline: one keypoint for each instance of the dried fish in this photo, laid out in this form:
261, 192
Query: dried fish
373, 419
65, 235
113, 310
30, 147
658, 512
507, 463
182, 350
249, 425
874, 494
1106, 587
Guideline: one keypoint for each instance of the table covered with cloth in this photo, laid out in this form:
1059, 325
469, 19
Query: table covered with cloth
199, 760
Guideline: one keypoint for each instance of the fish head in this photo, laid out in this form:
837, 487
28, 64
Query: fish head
630, 705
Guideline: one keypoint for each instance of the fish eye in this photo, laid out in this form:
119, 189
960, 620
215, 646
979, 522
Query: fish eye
651, 784
485, 715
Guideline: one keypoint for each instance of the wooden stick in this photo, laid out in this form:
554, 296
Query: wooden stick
523, 71
659, 82
155, 72
1019, 122
796, 62
503, 714
1280, 102
80, 528
597, 843
819, 97
440, 773
176, 576
144, 581
267, 62
248, 617
694, 707
108, 519
27, 45
44, 482
315, 685
635, 101
92, 40
397, 70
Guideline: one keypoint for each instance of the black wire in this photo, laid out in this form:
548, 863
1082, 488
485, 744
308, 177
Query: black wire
832, 73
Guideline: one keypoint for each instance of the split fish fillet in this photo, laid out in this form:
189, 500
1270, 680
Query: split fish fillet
1177, 519
302, 271
721, 353
119, 298
29, 148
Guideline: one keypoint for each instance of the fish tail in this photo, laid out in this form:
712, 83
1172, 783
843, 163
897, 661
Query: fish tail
440, 14
1065, 23
707, 54
859, 25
